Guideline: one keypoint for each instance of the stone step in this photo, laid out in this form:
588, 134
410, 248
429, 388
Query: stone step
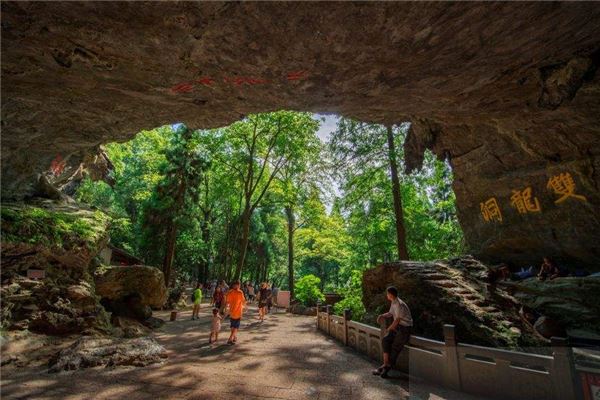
435, 276
445, 284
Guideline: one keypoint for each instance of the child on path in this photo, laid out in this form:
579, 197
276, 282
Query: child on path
215, 326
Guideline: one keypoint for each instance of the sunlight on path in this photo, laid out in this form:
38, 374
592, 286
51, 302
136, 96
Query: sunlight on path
283, 357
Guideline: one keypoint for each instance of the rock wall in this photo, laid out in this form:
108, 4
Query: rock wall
458, 292
71, 291
58, 243
508, 92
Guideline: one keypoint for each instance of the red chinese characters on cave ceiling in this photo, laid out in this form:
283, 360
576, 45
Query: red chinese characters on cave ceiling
189, 86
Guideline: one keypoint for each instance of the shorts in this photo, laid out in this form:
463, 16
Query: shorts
394, 342
235, 323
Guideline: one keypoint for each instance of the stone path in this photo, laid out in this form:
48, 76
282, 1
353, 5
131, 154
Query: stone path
282, 358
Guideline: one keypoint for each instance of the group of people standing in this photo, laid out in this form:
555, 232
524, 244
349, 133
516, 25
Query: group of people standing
231, 301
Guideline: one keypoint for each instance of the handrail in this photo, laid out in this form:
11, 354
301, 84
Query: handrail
454, 358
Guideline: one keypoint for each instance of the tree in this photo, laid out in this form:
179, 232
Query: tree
180, 186
400, 232
358, 149
257, 148
294, 182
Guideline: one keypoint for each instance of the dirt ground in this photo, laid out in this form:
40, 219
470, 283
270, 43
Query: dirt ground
284, 357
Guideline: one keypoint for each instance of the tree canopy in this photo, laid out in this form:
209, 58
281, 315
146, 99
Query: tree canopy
265, 199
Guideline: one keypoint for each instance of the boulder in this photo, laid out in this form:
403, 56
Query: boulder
122, 283
131, 328
573, 302
301, 309
441, 293
90, 352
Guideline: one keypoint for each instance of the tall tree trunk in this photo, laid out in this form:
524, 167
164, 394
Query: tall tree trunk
244, 243
291, 226
400, 232
169, 252
205, 229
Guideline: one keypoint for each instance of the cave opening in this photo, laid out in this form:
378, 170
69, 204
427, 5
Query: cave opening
333, 183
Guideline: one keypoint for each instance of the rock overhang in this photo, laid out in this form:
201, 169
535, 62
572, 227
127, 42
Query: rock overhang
508, 92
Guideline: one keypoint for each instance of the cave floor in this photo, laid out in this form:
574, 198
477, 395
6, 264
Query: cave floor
282, 358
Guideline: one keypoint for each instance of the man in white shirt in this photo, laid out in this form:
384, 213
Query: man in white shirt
397, 334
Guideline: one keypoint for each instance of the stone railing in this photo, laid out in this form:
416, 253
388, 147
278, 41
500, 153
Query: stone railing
483, 371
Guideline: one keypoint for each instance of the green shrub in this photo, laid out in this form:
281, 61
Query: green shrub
307, 290
353, 302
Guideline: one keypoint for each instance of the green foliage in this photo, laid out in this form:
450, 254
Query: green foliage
275, 166
52, 228
430, 219
352, 300
307, 290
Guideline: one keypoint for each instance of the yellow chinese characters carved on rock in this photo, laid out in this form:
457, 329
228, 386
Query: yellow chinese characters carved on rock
564, 185
522, 200
490, 210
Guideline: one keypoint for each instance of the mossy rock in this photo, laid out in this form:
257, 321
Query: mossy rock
52, 225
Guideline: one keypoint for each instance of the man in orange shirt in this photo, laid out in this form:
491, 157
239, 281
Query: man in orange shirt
235, 302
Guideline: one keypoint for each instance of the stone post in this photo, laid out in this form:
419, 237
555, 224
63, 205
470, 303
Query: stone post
328, 311
347, 317
451, 367
563, 370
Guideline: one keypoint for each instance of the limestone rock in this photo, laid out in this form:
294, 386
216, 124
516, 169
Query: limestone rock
507, 92
90, 352
125, 282
574, 303
302, 309
94, 164
131, 328
60, 240
439, 293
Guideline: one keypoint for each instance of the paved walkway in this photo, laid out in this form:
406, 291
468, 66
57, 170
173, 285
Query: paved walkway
282, 358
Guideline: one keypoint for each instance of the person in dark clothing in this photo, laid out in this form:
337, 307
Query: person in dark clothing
264, 296
548, 270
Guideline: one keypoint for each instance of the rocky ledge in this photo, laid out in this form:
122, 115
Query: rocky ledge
90, 352
458, 292
53, 281
47, 284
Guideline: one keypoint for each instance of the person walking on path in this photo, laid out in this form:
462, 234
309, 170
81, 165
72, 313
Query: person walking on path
215, 326
235, 303
218, 298
397, 334
264, 295
197, 299
251, 295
